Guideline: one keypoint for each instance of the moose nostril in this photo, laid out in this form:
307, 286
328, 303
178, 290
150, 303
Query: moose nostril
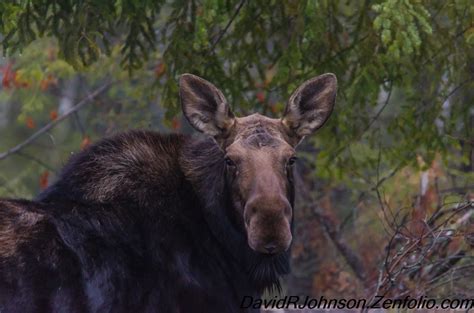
270, 248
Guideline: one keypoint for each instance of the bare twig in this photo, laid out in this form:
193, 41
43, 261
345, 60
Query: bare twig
358, 136
456, 89
377, 115
349, 255
37, 160
226, 28
436, 53
52, 124
333, 231
410, 260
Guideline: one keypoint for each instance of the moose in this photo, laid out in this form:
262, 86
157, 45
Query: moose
149, 222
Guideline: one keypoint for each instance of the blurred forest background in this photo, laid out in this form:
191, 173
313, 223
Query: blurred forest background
386, 188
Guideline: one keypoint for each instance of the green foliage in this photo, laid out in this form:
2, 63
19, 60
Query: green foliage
398, 62
404, 109
84, 29
400, 24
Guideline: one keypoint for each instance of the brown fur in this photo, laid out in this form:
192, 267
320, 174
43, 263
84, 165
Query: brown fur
259, 152
144, 222
259, 148
17, 226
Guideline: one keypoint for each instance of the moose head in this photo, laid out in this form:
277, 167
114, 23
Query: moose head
260, 152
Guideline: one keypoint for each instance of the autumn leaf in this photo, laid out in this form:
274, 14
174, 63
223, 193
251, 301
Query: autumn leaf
160, 70
30, 123
53, 115
43, 180
16, 80
7, 76
175, 124
48, 81
85, 142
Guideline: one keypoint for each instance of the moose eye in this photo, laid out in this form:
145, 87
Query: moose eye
292, 160
229, 162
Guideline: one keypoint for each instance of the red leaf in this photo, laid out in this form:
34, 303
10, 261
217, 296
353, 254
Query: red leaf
30, 123
160, 70
53, 115
43, 180
7, 76
175, 124
85, 142
260, 96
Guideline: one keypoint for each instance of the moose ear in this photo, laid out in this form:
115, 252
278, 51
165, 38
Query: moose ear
310, 106
204, 106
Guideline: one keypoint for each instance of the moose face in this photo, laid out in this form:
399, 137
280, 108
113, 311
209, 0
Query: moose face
260, 152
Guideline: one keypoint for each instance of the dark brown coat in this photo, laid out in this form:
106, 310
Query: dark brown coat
144, 222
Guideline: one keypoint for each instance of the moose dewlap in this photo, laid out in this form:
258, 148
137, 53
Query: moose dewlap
144, 222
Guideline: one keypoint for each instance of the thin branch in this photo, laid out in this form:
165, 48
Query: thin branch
446, 98
333, 231
390, 175
52, 124
455, 37
316, 68
377, 115
37, 160
352, 259
448, 264
226, 28
358, 137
